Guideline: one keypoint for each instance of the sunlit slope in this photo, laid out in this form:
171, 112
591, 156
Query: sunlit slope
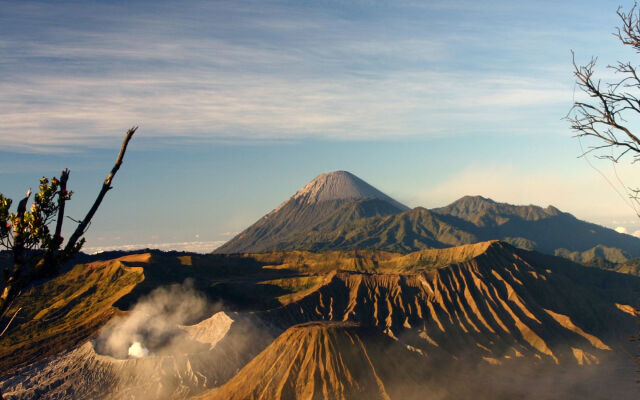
502, 303
321, 360
496, 323
66, 310
61, 313
485, 292
366, 260
484, 321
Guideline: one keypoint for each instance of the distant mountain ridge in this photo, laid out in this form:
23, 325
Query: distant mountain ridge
533, 227
338, 211
482, 211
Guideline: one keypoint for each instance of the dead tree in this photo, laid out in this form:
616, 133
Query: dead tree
606, 116
38, 252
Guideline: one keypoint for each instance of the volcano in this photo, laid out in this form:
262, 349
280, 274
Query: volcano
312, 204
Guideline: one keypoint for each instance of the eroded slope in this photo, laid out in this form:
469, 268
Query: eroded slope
497, 305
329, 361
66, 310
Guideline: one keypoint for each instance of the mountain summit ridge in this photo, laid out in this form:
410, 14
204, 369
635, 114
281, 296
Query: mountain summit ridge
340, 185
476, 208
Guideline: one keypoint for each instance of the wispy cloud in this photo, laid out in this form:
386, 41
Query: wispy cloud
69, 110
281, 73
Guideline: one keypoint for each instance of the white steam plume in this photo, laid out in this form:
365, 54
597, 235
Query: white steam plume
151, 327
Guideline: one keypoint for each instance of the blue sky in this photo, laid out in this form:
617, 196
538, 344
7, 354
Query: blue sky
241, 103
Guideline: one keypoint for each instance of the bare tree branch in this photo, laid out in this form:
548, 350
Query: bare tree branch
606, 116
10, 321
106, 186
25, 236
64, 177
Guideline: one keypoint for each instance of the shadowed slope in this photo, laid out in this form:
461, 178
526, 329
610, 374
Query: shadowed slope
599, 256
482, 211
411, 230
544, 229
469, 220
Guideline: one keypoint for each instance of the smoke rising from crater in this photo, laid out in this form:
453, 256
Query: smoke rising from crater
152, 326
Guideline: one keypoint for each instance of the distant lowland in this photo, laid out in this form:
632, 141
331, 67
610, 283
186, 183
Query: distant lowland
342, 292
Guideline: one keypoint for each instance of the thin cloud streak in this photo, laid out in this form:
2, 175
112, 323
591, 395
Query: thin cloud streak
307, 75
403, 105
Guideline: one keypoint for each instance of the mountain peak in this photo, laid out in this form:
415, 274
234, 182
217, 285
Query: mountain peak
477, 200
320, 200
485, 212
340, 185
